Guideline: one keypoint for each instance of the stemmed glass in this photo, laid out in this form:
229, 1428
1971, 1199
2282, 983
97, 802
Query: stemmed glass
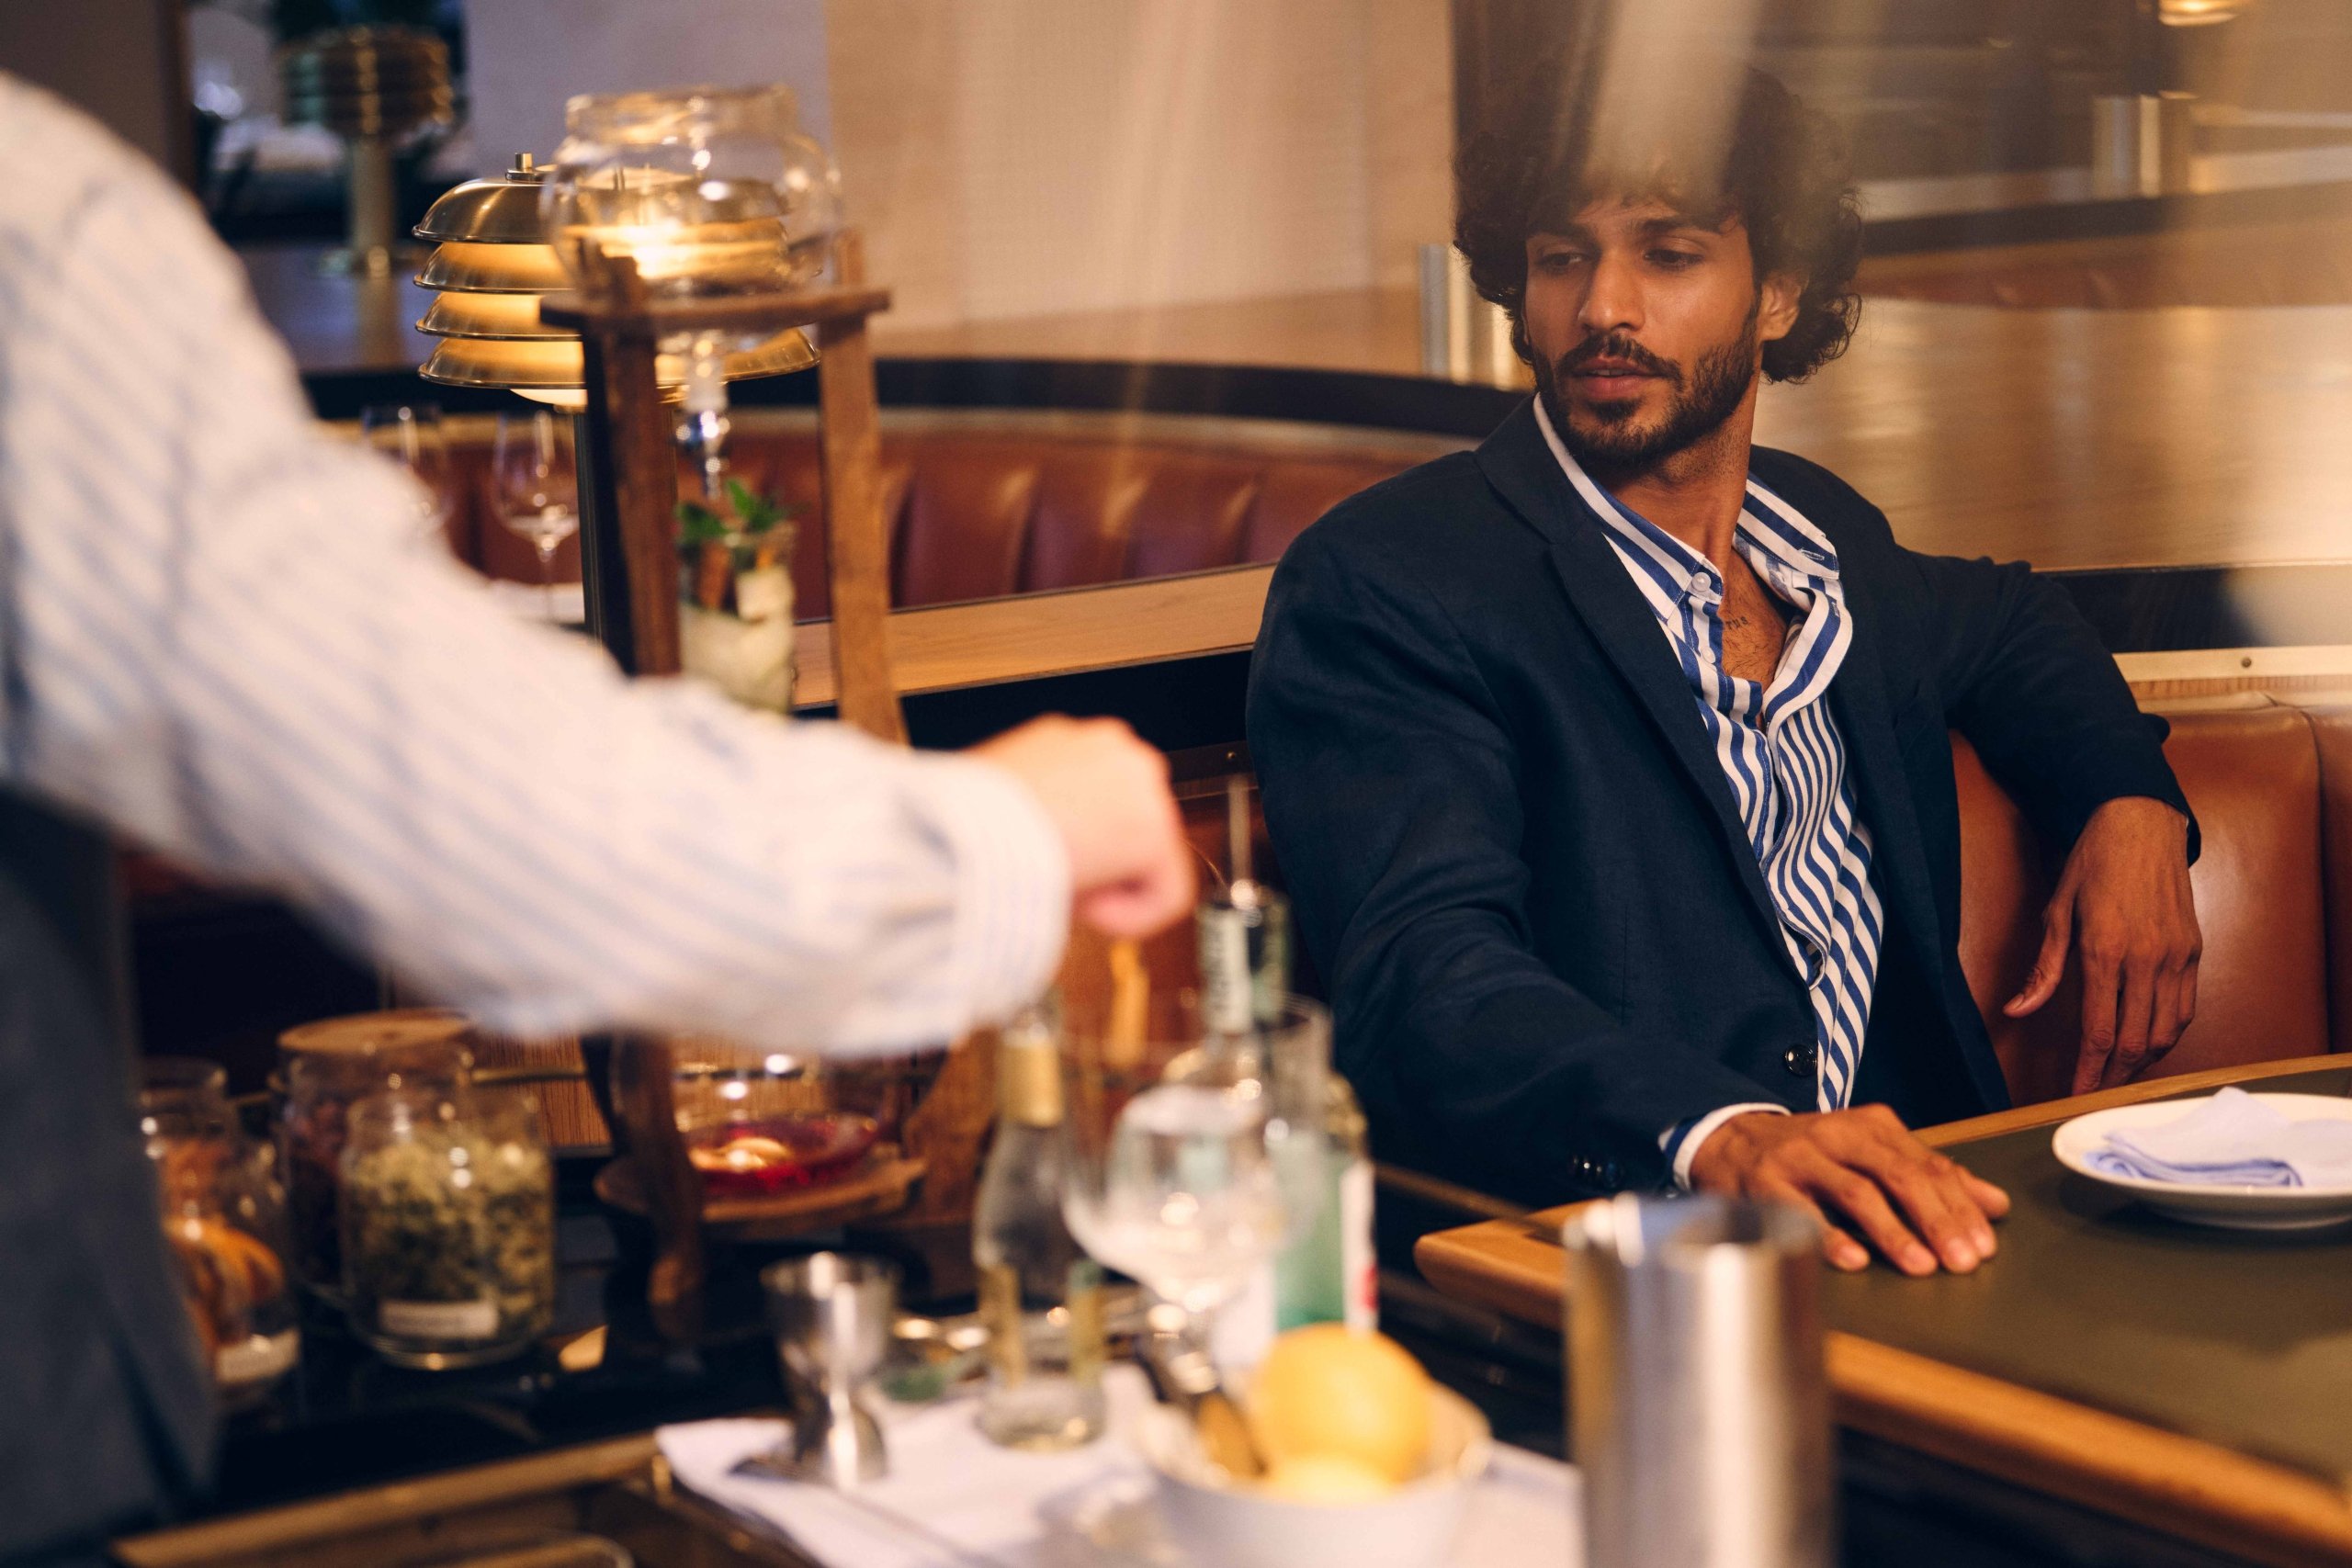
410, 435
1195, 1155
538, 487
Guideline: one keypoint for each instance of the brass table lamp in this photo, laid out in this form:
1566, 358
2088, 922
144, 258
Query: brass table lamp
376, 87
490, 267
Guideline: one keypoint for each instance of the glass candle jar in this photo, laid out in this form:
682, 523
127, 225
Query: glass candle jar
711, 191
757, 1122
224, 1219
448, 1227
326, 1067
708, 193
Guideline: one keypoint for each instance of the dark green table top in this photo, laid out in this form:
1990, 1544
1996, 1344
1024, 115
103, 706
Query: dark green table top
2237, 1337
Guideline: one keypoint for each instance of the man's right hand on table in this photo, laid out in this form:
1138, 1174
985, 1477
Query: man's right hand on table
1106, 792
1861, 1174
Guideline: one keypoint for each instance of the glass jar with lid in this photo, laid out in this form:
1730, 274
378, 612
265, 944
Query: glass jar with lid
710, 194
711, 191
224, 1220
448, 1225
326, 1067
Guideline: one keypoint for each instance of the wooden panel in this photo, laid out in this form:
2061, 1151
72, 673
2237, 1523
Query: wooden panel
947, 646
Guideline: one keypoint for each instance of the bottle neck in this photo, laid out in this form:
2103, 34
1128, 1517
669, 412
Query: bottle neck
1029, 1083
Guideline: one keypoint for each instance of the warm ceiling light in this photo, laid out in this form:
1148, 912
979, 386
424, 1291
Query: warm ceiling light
486, 315
494, 269
2197, 13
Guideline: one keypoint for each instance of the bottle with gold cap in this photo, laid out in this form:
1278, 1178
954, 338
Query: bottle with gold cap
1041, 1296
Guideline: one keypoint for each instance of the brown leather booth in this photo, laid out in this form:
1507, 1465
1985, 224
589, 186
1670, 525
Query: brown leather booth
2272, 788
1006, 503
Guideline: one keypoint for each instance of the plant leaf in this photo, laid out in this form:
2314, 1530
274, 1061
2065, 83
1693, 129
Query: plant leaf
698, 525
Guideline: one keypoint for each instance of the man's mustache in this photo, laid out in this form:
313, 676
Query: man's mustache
1616, 347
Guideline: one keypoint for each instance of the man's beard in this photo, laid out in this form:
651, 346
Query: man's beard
1700, 404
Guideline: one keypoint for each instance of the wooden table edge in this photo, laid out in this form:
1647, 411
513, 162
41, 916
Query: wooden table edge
2199, 1491
2050, 1112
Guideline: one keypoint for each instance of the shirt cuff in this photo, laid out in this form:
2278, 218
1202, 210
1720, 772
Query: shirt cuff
1012, 886
1682, 1143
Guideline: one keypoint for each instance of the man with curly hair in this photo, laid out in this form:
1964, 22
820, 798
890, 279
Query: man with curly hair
1608, 763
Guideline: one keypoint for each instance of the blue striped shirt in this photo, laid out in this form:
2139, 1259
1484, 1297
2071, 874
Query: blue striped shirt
1779, 750
218, 633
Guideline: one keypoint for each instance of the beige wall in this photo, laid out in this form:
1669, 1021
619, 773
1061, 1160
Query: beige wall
1031, 157
124, 60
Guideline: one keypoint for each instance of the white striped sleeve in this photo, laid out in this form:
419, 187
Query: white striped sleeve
222, 640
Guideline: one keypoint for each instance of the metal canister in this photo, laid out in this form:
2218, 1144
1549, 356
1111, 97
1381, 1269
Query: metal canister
1699, 1407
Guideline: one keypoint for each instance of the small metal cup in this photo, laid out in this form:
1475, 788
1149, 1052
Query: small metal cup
831, 1316
1699, 1406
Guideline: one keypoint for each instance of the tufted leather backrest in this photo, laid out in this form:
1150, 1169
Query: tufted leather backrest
979, 509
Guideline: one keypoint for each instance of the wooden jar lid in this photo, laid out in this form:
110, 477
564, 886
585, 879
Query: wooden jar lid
395, 1033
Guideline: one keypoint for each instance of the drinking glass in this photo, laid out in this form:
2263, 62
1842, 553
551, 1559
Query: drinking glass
1195, 1154
538, 487
411, 435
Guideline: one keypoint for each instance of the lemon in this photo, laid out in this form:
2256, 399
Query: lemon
1329, 1392
1326, 1478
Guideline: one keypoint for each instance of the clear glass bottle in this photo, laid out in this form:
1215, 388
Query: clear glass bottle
1041, 1296
448, 1227
1329, 1274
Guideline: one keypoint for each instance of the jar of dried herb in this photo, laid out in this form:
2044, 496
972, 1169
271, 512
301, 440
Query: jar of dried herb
323, 1069
449, 1225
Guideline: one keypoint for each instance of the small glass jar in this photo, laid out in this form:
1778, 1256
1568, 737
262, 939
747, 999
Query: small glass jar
224, 1219
448, 1227
326, 1067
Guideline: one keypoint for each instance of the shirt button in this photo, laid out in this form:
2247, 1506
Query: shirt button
1799, 1060
1702, 584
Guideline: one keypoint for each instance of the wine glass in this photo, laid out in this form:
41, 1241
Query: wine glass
411, 435
536, 486
1195, 1156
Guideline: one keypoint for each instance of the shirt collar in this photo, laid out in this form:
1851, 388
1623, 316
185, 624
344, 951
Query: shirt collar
1774, 536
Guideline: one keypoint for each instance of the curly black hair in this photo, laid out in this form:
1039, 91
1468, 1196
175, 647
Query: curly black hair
1783, 173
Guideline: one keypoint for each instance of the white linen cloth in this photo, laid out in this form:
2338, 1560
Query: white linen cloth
219, 632
2231, 1140
953, 1499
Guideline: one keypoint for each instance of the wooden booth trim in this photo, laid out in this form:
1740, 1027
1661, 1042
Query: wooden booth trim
942, 647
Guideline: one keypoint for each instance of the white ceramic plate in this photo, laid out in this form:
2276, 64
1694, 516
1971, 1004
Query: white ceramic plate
2238, 1208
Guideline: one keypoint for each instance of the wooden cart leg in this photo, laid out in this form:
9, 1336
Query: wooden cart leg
856, 532
643, 1094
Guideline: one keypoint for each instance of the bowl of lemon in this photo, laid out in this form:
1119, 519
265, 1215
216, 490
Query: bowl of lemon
1366, 1463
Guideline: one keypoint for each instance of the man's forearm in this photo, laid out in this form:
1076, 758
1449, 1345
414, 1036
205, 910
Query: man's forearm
222, 639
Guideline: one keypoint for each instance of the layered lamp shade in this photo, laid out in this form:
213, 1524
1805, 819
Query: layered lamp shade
489, 268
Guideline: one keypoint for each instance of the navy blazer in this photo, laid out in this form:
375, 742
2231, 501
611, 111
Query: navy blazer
1519, 869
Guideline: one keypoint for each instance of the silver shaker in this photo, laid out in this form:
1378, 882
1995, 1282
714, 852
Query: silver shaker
1698, 1403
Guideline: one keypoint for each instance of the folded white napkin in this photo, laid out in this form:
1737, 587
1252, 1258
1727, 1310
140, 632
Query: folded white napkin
2231, 1140
953, 1499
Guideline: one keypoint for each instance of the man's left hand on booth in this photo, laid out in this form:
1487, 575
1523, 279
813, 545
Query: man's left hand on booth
2123, 908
